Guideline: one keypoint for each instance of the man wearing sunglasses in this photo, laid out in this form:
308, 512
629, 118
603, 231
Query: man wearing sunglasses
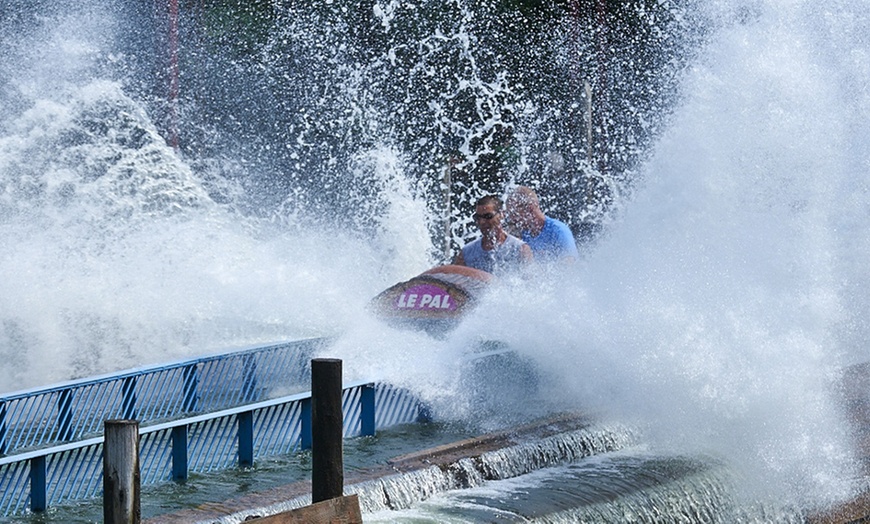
495, 251
550, 239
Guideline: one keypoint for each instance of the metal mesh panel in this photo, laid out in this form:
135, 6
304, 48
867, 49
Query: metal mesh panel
350, 408
284, 372
75, 474
278, 429
74, 471
30, 421
394, 406
229, 381
155, 457
213, 444
67, 413
160, 395
100, 402
15, 479
253, 376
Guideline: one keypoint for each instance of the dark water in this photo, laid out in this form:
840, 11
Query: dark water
629, 484
359, 454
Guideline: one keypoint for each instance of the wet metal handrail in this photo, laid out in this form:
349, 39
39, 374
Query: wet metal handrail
202, 443
75, 410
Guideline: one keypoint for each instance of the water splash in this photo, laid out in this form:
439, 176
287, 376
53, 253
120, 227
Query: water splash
403, 490
618, 487
719, 311
715, 312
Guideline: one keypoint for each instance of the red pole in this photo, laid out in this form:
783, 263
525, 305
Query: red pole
598, 97
173, 73
601, 36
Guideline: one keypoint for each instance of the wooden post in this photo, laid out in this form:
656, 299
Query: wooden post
327, 469
121, 472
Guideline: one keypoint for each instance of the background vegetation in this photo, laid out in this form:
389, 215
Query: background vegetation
294, 101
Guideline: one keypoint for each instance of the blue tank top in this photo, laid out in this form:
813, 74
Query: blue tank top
503, 258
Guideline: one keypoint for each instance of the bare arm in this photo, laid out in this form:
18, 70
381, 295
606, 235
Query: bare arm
526, 253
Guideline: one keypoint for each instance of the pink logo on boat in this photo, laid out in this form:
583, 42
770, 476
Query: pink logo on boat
425, 296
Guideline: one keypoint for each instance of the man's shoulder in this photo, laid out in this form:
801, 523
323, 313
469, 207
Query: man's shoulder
556, 225
472, 247
559, 233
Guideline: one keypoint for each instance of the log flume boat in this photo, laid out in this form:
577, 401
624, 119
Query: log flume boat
434, 301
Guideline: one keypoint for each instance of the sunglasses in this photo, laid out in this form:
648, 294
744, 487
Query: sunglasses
485, 216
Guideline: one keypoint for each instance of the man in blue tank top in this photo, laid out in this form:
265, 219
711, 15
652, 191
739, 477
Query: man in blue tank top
550, 239
495, 251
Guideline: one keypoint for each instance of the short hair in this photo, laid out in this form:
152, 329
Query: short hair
525, 195
489, 199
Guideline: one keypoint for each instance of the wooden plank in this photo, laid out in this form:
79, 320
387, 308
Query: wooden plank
341, 510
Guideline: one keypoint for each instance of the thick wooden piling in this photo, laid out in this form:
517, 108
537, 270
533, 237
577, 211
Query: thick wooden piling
121, 472
327, 468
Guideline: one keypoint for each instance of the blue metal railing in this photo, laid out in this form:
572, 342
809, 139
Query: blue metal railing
202, 443
76, 410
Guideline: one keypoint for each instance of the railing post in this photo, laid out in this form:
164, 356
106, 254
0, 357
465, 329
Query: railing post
128, 402
38, 486
367, 410
305, 423
64, 415
179, 453
2, 428
424, 413
327, 469
191, 388
121, 501
245, 421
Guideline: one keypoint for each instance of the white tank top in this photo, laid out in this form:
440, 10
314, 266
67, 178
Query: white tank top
503, 258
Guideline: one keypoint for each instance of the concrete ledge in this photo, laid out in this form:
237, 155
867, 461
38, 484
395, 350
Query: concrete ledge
341, 510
